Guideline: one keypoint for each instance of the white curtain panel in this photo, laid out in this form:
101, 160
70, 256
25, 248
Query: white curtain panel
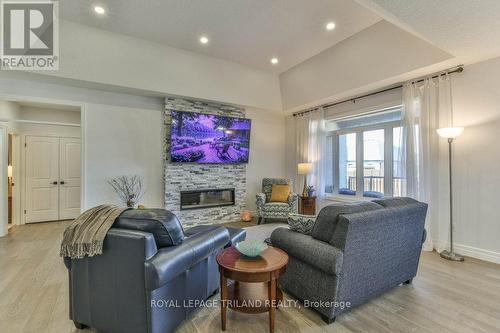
427, 106
310, 145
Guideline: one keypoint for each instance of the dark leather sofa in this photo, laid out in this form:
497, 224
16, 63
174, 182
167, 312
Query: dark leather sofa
150, 274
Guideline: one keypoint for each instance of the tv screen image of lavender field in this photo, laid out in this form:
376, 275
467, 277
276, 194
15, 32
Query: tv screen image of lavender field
203, 138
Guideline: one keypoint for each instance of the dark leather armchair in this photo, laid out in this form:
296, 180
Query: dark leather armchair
137, 286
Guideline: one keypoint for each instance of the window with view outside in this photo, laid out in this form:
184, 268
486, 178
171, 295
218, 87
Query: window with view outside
398, 182
328, 158
363, 155
347, 164
373, 162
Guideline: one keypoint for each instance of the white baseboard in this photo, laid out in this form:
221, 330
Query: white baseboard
477, 253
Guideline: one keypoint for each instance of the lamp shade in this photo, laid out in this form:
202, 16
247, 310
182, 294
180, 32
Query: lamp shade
450, 132
9, 171
304, 168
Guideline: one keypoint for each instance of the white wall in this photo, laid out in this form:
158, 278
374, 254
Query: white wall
476, 98
8, 111
100, 56
48, 130
123, 141
49, 115
377, 53
267, 150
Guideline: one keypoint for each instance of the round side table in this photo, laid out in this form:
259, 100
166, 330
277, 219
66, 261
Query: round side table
255, 288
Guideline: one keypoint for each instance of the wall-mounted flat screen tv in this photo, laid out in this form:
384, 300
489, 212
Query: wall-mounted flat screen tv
210, 139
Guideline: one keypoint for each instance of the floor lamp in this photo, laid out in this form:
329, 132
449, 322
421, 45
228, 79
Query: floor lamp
304, 169
450, 133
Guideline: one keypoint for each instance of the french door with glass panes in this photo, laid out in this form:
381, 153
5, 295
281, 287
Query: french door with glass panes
365, 161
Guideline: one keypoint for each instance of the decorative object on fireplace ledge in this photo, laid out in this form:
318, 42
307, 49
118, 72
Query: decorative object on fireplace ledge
130, 189
304, 169
246, 216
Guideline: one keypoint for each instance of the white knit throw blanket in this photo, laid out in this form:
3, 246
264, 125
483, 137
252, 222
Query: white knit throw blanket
84, 237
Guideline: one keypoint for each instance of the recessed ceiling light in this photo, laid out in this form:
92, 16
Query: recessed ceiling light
99, 10
203, 39
330, 26
274, 61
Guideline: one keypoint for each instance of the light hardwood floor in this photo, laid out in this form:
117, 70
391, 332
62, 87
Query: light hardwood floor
444, 297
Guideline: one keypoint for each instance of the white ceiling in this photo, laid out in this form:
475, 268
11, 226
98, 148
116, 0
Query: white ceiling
248, 32
468, 29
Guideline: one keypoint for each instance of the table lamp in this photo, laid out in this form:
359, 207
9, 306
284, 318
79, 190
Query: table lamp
304, 169
450, 133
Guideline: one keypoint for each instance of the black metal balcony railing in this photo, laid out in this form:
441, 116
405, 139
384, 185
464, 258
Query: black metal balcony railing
376, 184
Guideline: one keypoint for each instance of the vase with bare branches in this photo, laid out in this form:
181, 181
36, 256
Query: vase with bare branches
130, 189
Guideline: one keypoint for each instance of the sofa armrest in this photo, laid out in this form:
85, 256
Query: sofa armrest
260, 200
172, 261
314, 252
122, 242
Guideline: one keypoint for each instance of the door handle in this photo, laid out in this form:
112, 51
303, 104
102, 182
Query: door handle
54, 183
62, 182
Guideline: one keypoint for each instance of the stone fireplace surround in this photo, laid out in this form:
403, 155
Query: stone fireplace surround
190, 176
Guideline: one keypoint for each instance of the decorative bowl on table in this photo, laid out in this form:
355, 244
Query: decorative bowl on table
251, 248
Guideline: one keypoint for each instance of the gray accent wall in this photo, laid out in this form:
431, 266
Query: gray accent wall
189, 176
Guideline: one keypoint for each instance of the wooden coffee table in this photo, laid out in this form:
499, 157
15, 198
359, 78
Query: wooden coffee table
255, 288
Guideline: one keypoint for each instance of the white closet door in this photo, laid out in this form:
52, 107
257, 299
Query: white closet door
69, 178
42, 175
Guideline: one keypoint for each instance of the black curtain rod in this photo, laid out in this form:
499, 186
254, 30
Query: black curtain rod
459, 69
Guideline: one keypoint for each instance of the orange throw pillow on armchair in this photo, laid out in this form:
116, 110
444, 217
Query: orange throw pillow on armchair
280, 193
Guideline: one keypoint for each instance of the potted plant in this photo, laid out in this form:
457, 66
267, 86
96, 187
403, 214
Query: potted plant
310, 191
129, 189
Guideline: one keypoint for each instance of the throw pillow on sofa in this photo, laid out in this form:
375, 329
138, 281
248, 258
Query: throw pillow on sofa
301, 223
280, 193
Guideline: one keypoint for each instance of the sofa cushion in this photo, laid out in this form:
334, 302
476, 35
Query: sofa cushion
395, 202
164, 225
328, 217
301, 223
276, 207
